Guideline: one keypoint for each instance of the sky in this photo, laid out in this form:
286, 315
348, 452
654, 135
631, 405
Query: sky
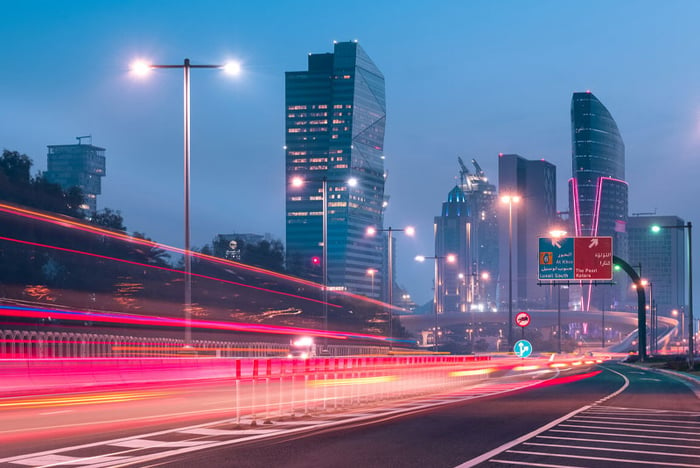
463, 78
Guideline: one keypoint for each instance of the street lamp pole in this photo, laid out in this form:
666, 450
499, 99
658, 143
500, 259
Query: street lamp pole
451, 258
390, 272
324, 261
689, 227
142, 68
510, 199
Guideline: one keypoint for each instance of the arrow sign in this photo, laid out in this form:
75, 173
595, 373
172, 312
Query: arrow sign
522, 348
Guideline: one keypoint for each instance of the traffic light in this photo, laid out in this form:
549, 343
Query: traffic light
315, 261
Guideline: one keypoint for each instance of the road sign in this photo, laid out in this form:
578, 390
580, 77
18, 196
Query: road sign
575, 258
522, 348
522, 319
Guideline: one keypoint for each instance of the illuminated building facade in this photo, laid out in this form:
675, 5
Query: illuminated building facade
82, 166
335, 119
534, 181
598, 193
453, 231
482, 199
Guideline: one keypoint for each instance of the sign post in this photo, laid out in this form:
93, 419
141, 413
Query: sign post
575, 259
522, 319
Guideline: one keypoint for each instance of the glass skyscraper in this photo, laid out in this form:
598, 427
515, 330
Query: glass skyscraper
598, 193
82, 166
335, 119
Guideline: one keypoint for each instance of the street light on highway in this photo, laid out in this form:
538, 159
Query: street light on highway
689, 227
372, 231
449, 258
510, 200
142, 68
298, 182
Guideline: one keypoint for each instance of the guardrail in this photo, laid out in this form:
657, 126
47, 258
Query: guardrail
33, 344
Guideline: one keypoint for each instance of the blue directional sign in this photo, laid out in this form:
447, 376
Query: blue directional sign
522, 348
556, 260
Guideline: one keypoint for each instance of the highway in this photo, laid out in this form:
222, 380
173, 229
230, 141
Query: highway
606, 415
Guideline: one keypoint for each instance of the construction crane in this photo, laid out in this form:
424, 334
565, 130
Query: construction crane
463, 172
479, 171
81, 138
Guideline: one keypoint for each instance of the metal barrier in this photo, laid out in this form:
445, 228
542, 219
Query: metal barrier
28, 344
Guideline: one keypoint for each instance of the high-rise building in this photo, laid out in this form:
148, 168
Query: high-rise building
81, 165
335, 119
482, 200
598, 193
534, 216
661, 257
453, 231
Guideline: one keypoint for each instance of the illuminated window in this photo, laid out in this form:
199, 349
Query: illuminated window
296, 108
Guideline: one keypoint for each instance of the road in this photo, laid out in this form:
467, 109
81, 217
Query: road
611, 415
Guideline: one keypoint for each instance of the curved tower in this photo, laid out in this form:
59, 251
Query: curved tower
597, 189
598, 193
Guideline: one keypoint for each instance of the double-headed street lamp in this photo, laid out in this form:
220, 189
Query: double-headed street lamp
299, 182
510, 200
689, 227
449, 258
371, 231
142, 68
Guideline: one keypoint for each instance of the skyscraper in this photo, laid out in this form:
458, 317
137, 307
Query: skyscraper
81, 165
482, 200
335, 119
453, 231
534, 216
597, 190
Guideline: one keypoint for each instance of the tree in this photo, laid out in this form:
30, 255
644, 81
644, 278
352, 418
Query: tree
109, 219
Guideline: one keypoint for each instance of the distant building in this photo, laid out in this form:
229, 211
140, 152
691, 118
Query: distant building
534, 216
482, 199
81, 165
453, 231
662, 258
598, 193
335, 117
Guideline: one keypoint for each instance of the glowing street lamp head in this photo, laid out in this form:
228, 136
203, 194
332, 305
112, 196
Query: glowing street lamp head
557, 233
371, 231
420, 258
140, 67
485, 275
510, 199
352, 182
410, 231
297, 181
232, 68
451, 258
655, 229
371, 271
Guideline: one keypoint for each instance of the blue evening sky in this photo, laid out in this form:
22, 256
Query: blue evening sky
463, 78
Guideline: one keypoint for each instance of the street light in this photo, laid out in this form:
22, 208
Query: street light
142, 68
410, 231
371, 272
644, 283
689, 227
510, 199
298, 181
449, 258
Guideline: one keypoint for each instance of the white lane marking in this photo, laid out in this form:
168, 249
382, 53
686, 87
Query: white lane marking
608, 449
543, 465
608, 441
502, 448
652, 431
223, 432
636, 436
146, 443
615, 423
607, 418
55, 412
582, 457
